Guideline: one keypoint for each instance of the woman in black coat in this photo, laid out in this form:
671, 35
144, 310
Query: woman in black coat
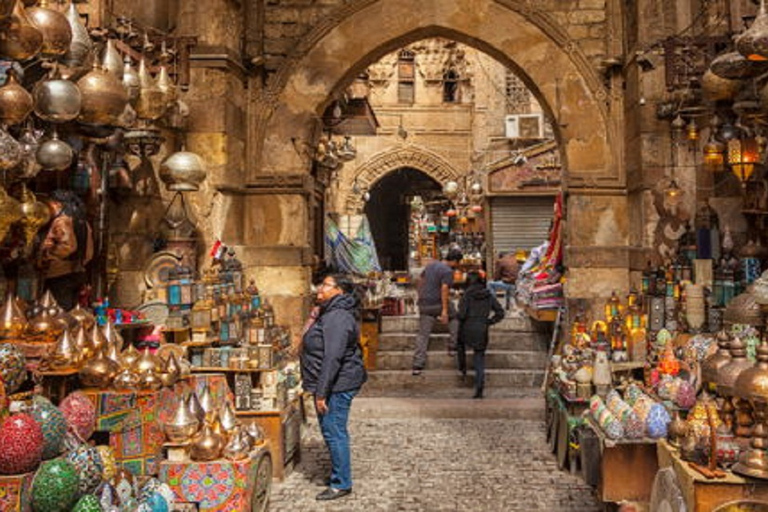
474, 314
332, 370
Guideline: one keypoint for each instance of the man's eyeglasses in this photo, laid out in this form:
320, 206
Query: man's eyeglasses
327, 285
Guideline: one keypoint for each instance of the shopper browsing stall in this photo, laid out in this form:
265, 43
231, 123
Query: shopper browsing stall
332, 369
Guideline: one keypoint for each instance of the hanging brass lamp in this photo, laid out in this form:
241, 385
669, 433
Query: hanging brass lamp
753, 42
21, 40
57, 33
81, 44
15, 101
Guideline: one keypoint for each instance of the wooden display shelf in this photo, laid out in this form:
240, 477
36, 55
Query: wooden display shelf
703, 495
196, 344
541, 315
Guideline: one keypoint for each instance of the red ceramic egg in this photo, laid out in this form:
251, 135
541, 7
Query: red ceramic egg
21, 444
80, 414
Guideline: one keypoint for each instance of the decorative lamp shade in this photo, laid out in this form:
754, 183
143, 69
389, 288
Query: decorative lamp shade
713, 155
183, 171
753, 42
673, 193
451, 190
743, 154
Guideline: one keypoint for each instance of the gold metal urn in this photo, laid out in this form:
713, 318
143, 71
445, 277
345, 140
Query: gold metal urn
15, 101
752, 385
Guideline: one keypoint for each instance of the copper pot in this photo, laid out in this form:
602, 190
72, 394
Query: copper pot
15, 101
57, 100
21, 40
104, 98
57, 34
730, 372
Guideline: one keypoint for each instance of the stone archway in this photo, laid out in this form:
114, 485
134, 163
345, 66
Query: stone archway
517, 33
382, 164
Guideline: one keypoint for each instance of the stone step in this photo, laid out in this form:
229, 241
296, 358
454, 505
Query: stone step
403, 380
440, 360
493, 406
524, 341
520, 323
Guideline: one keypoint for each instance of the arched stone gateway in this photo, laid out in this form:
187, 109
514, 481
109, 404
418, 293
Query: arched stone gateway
523, 35
382, 164
518, 33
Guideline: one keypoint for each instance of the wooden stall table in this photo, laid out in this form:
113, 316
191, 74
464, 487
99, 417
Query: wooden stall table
541, 315
282, 430
222, 485
703, 495
627, 467
563, 418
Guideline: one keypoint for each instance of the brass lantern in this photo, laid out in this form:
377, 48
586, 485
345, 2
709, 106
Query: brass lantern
743, 155
713, 155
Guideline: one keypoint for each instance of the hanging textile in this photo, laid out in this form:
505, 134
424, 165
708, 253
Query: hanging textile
353, 255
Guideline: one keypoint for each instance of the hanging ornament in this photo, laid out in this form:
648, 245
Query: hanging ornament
111, 61
21, 40
15, 100
753, 42
81, 44
57, 100
151, 103
36, 215
104, 98
54, 154
57, 33
131, 81
183, 171
10, 151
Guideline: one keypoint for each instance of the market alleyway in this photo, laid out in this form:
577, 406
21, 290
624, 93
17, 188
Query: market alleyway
421, 444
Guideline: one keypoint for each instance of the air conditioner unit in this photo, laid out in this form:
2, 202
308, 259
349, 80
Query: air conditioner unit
524, 126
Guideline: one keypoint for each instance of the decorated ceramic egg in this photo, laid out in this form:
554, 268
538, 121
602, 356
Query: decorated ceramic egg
87, 461
657, 421
123, 483
21, 444
150, 486
88, 503
108, 462
155, 503
686, 395
166, 492
80, 414
108, 498
13, 367
52, 423
54, 488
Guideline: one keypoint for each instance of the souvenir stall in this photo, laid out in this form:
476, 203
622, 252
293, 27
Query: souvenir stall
108, 408
539, 284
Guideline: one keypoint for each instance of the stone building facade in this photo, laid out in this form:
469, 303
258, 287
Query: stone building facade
263, 71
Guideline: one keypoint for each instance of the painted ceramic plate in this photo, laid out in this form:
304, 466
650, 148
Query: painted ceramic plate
156, 312
156, 272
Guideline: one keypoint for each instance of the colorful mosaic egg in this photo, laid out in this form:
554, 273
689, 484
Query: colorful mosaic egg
657, 421
52, 423
686, 395
130, 505
54, 488
88, 503
13, 367
155, 503
123, 483
80, 414
87, 461
108, 462
108, 498
21, 444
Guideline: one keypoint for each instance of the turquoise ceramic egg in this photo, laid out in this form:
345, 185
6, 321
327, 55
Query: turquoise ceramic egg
53, 425
87, 461
54, 488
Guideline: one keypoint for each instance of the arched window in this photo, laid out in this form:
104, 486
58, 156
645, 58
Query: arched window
451, 86
406, 75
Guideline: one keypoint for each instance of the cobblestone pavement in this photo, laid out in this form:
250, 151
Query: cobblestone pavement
413, 462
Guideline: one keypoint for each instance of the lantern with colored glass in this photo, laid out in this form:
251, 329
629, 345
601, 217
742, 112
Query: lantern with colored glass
713, 155
743, 155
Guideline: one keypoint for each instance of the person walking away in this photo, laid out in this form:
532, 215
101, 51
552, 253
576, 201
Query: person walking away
66, 249
435, 305
475, 308
505, 276
332, 370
